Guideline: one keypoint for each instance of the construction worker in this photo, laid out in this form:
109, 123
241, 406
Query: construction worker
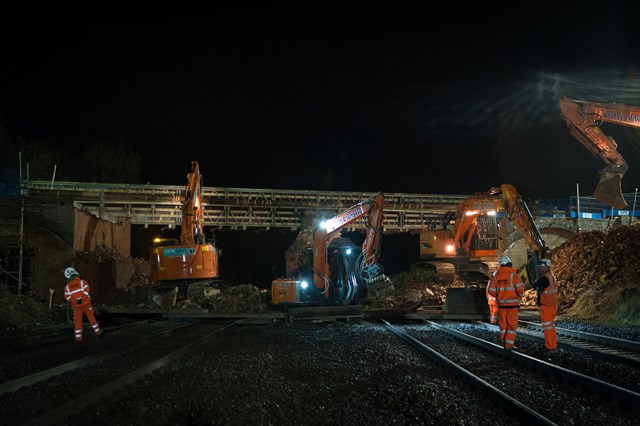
507, 287
547, 302
77, 294
493, 306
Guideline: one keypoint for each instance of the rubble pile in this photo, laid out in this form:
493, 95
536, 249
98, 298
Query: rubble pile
245, 298
598, 274
100, 254
413, 290
296, 256
23, 313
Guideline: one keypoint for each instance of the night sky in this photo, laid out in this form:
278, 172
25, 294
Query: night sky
430, 104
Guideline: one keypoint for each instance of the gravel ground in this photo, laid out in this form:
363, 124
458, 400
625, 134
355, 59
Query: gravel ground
328, 373
318, 374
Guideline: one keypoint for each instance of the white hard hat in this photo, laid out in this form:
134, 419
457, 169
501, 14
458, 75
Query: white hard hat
545, 262
504, 260
70, 272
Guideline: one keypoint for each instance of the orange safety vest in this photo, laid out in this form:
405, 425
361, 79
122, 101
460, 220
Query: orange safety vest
549, 296
77, 292
491, 299
506, 286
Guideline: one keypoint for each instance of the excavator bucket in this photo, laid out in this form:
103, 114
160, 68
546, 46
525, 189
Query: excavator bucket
609, 189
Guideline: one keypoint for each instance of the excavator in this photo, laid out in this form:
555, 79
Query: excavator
338, 272
584, 120
471, 247
191, 266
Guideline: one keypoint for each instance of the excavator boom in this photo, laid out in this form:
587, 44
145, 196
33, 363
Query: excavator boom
193, 262
339, 273
584, 120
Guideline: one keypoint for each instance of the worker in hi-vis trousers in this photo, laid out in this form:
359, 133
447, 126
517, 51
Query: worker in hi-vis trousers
77, 294
547, 303
507, 287
493, 306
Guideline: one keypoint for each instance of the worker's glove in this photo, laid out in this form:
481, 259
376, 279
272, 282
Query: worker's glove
78, 301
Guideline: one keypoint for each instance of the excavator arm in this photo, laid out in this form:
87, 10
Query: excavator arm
584, 120
518, 212
191, 230
372, 208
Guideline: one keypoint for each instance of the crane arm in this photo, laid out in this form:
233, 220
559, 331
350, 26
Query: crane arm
584, 120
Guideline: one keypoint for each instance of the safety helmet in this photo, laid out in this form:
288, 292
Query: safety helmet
70, 272
504, 260
545, 262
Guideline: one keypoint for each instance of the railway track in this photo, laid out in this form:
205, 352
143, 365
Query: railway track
613, 348
340, 372
54, 393
487, 367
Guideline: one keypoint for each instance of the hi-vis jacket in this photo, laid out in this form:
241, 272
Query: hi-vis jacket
77, 292
549, 294
506, 286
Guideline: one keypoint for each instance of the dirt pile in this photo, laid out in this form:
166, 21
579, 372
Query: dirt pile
598, 275
24, 312
415, 289
245, 298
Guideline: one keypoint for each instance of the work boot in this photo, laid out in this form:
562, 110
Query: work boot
99, 333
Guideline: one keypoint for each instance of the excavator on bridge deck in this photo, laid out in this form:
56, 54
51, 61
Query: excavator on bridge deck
584, 120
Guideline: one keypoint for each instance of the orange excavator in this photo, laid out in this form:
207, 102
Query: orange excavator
472, 244
471, 247
584, 120
338, 272
192, 265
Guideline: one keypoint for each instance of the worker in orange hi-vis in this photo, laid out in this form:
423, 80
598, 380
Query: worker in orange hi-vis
507, 287
493, 306
77, 294
547, 302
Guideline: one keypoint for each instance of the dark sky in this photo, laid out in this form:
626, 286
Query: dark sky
439, 103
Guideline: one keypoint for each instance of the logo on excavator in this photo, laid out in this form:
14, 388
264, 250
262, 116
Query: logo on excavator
179, 251
350, 216
627, 118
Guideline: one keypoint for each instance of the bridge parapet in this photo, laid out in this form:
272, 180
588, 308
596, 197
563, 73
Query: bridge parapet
239, 208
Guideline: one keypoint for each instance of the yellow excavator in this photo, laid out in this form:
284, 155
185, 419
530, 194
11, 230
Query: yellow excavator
584, 120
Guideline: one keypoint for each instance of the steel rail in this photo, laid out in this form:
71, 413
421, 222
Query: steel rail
72, 406
13, 385
607, 390
510, 404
